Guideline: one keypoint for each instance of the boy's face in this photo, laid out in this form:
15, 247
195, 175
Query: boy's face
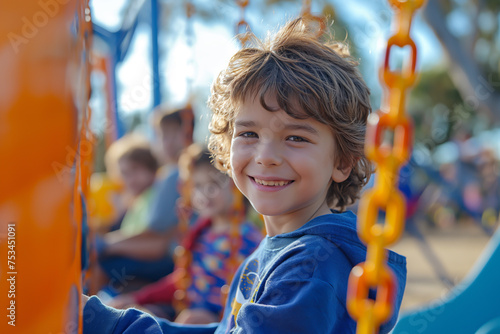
135, 176
212, 193
283, 165
172, 141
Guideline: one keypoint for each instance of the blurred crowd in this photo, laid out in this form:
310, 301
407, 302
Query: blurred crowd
459, 183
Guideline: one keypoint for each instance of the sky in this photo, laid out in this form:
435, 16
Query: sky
214, 44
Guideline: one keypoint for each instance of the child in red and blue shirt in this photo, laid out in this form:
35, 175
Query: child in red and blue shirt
208, 243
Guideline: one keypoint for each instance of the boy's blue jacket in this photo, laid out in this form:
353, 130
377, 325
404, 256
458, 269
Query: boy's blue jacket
293, 283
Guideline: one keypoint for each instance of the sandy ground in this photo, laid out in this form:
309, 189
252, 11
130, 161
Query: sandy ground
456, 250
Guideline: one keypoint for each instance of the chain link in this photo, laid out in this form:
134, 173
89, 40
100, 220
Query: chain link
384, 196
242, 27
318, 19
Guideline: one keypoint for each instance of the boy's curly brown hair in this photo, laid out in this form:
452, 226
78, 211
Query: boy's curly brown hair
309, 79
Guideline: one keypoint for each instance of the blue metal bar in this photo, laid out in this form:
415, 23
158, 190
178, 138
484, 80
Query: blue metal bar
111, 38
155, 54
104, 34
119, 43
120, 127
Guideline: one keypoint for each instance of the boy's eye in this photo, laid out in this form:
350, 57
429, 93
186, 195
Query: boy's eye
248, 134
297, 139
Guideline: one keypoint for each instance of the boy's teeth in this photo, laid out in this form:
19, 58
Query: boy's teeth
272, 183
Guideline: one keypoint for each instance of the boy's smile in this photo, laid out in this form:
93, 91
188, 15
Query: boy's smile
283, 165
270, 183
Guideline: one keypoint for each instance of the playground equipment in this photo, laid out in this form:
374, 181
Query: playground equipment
119, 45
45, 150
473, 306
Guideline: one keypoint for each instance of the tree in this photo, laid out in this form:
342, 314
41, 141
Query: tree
474, 55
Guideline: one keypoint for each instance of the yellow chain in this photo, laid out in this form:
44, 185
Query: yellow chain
384, 196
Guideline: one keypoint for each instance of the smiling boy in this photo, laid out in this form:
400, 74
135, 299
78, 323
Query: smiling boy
277, 169
288, 125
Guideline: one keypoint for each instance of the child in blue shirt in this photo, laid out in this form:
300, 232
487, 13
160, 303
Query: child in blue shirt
288, 125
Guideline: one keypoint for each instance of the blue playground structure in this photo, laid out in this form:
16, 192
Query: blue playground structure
471, 307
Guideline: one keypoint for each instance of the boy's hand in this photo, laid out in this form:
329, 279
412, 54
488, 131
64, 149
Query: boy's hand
122, 301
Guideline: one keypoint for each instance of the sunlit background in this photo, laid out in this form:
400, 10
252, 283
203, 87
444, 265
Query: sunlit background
193, 51
364, 24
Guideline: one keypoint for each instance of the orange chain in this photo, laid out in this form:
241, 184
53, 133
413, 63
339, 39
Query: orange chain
182, 256
242, 23
307, 14
384, 196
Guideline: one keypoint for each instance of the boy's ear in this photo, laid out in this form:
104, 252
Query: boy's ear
341, 172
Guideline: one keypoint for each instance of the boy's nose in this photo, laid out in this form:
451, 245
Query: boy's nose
268, 153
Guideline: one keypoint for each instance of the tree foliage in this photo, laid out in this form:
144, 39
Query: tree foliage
469, 32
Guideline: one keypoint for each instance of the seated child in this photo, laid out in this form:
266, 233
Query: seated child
209, 265
154, 243
132, 159
288, 125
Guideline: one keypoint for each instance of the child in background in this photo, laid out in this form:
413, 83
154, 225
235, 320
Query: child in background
132, 160
288, 125
208, 242
150, 250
